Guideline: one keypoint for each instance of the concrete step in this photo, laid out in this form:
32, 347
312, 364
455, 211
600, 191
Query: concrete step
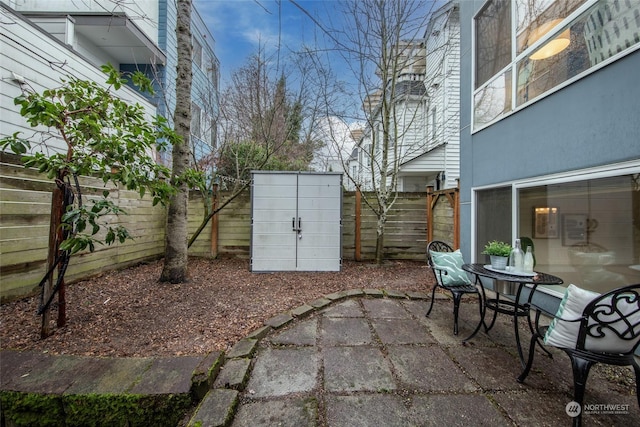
42, 389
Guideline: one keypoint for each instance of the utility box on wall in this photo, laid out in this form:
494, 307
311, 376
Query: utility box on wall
296, 221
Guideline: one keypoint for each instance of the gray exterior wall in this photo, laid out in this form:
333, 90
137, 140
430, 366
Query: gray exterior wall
592, 122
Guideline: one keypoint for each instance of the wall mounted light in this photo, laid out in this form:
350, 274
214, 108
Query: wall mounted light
17, 78
553, 46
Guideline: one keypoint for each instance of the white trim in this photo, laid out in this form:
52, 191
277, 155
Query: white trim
513, 64
603, 171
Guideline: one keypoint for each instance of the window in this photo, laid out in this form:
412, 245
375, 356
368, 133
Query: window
197, 53
196, 128
434, 129
493, 39
554, 43
213, 73
591, 236
493, 217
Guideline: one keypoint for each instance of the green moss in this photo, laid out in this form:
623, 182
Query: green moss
31, 409
125, 410
87, 410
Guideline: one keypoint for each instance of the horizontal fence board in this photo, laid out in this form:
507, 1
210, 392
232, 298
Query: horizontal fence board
25, 197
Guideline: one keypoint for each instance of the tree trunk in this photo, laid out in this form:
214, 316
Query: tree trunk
55, 238
380, 239
175, 257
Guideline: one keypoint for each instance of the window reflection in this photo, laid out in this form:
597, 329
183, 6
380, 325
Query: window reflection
493, 101
493, 218
537, 76
598, 244
549, 50
604, 30
493, 40
535, 18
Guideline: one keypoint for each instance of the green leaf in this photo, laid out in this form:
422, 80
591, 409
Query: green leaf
110, 237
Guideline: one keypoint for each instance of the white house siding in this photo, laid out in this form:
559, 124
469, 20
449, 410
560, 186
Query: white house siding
143, 12
413, 127
442, 39
429, 128
62, 28
204, 86
42, 61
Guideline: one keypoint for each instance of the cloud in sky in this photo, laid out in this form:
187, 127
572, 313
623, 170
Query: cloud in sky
240, 27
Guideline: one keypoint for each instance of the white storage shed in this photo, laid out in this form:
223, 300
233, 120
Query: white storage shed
296, 221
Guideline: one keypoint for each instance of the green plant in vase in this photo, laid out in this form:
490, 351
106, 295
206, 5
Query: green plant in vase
499, 252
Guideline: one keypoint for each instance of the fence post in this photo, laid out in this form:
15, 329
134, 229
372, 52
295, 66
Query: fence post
214, 222
429, 213
358, 217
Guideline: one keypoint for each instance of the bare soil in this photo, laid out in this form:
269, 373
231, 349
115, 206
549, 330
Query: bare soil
129, 313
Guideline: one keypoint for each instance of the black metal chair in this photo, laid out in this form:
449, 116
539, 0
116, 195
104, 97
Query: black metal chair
608, 332
457, 282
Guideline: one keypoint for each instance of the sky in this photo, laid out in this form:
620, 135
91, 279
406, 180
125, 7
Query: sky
240, 26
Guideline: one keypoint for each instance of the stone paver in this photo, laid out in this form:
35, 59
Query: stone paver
385, 309
357, 368
282, 413
349, 308
234, 374
216, 409
429, 368
345, 331
401, 331
279, 372
304, 333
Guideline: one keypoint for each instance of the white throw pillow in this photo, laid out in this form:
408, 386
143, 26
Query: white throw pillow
565, 334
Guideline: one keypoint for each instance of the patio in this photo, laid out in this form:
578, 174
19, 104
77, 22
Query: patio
365, 361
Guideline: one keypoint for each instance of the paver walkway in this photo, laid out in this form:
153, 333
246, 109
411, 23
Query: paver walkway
367, 361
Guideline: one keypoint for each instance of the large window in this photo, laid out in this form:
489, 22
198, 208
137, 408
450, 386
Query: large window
493, 217
585, 229
553, 42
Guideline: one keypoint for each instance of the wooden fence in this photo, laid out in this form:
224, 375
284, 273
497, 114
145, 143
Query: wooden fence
443, 207
25, 197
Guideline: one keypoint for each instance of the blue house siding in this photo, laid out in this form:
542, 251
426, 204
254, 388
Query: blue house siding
168, 43
203, 89
589, 123
592, 122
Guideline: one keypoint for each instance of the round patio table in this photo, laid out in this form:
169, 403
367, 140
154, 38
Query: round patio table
514, 308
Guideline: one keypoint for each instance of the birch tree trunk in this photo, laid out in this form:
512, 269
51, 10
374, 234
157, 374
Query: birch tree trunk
175, 256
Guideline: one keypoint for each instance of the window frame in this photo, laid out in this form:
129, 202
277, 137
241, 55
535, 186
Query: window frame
606, 171
517, 58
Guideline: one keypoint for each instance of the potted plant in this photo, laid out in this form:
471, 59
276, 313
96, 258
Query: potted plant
498, 252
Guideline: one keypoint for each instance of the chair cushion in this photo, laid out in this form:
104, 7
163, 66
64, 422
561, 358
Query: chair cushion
609, 325
451, 262
565, 334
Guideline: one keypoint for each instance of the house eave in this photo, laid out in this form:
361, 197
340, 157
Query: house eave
116, 34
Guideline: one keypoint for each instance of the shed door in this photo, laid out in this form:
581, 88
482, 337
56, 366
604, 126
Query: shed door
296, 222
